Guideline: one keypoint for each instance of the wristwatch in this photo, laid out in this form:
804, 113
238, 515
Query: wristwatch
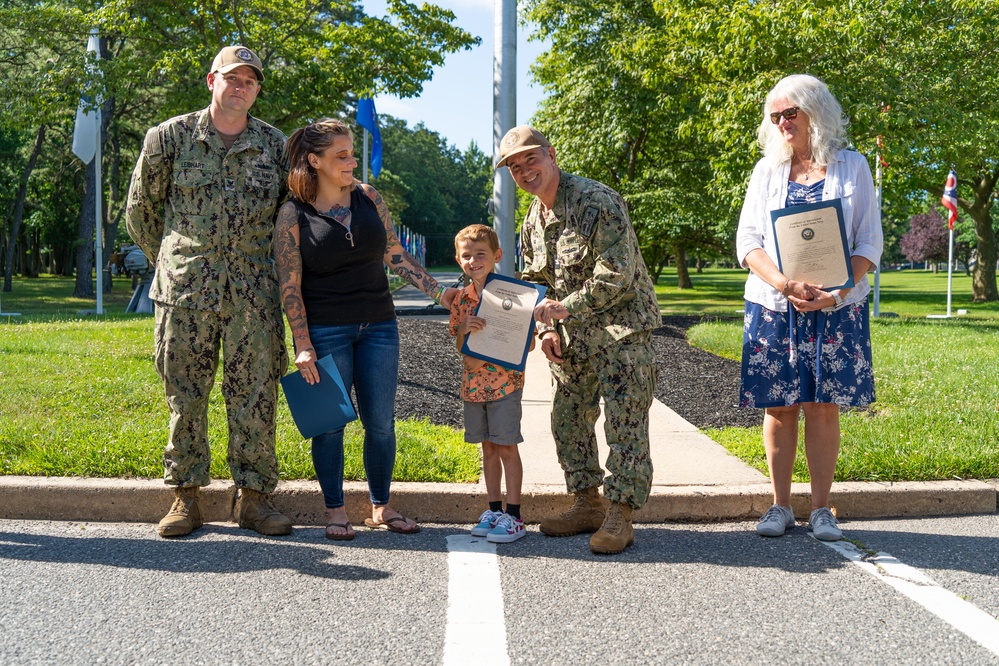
838, 299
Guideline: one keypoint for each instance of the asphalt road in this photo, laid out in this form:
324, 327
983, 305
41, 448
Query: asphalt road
86, 593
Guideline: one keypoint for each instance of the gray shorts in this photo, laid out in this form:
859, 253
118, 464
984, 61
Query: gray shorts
497, 421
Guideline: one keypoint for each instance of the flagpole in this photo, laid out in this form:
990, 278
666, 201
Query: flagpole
950, 270
877, 269
364, 169
99, 220
949, 201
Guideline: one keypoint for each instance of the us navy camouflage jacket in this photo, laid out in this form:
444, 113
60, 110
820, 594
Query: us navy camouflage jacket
585, 250
205, 215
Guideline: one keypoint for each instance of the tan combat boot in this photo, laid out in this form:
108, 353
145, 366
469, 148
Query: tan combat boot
585, 515
616, 533
184, 516
254, 511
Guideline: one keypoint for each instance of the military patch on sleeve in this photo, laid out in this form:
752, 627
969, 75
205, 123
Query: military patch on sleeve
153, 144
589, 222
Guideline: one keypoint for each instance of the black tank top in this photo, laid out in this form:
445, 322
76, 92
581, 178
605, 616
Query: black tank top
344, 282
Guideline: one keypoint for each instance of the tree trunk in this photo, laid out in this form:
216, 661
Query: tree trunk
682, 276
22, 193
983, 282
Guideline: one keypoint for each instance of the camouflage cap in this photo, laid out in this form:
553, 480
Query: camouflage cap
518, 140
232, 57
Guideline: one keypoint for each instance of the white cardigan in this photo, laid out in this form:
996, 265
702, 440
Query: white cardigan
848, 177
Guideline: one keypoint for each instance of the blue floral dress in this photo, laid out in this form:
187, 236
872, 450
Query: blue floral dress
793, 357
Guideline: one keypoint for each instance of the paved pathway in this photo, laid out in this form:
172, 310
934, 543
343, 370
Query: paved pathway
681, 455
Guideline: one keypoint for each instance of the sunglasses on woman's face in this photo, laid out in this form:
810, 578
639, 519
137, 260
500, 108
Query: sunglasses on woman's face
789, 114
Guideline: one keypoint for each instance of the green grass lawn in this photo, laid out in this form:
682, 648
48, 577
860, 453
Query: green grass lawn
80, 397
937, 409
718, 291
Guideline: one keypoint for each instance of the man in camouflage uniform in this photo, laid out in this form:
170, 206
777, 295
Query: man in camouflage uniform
578, 240
201, 204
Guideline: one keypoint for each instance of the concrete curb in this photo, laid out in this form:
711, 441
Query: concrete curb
148, 500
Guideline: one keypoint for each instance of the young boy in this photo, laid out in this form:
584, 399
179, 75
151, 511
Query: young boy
492, 393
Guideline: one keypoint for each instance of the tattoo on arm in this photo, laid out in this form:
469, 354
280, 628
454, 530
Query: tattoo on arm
401, 262
288, 258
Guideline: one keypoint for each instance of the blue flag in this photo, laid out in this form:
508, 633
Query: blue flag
368, 119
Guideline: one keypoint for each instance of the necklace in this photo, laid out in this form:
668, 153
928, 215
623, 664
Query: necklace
342, 215
811, 167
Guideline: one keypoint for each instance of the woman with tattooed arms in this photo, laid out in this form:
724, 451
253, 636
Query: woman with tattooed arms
331, 239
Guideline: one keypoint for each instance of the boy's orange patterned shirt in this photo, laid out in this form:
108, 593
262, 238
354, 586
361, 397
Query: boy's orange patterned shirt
490, 382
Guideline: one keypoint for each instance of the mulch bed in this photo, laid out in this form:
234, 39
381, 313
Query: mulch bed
700, 387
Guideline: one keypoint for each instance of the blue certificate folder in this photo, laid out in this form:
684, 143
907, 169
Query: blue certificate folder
528, 332
821, 225
320, 407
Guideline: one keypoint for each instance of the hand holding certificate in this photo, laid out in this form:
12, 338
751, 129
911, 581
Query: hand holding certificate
811, 244
507, 306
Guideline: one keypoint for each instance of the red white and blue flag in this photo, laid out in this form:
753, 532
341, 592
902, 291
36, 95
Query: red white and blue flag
949, 199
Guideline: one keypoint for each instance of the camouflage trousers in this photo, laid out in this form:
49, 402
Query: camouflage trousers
253, 359
624, 375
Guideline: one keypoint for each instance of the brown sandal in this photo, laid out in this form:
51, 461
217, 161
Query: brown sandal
392, 526
348, 536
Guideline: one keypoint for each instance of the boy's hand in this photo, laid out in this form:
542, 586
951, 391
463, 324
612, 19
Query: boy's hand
472, 324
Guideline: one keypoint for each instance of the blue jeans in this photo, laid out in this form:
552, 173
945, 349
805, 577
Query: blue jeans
367, 356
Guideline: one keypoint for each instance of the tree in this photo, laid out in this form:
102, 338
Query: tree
669, 94
33, 89
319, 55
445, 189
928, 238
609, 123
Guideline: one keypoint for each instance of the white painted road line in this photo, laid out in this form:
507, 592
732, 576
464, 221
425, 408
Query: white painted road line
963, 615
476, 625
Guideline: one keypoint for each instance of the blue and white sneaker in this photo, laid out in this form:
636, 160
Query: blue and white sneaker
507, 529
487, 521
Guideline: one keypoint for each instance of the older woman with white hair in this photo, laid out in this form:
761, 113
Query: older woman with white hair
805, 349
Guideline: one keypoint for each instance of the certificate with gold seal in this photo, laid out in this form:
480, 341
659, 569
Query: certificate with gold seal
811, 244
507, 305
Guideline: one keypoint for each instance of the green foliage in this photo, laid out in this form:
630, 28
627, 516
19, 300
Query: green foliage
935, 415
608, 122
444, 189
319, 57
662, 99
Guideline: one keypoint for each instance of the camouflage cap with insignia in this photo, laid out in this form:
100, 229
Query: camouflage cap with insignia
232, 57
518, 140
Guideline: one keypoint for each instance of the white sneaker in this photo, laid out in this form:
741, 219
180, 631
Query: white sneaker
773, 523
507, 529
824, 525
487, 521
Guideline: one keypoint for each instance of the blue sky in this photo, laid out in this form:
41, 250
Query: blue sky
458, 102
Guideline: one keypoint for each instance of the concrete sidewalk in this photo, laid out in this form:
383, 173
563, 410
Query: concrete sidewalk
695, 479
